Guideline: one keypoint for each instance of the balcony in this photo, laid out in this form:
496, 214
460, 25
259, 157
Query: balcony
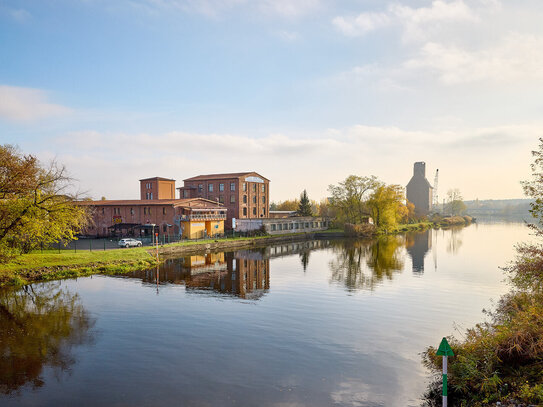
207, 216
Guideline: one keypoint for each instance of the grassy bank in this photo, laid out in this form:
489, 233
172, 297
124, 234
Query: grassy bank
51, 265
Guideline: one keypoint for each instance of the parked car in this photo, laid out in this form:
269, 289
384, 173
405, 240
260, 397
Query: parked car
130, 243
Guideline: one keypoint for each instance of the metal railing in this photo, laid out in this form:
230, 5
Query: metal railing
203, 217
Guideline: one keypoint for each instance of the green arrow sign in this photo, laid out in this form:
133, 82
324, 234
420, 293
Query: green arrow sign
444, 348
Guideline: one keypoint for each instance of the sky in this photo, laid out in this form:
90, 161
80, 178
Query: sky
303, 92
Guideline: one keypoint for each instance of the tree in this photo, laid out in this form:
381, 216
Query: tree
288, 205
387, 207
35, 207
534, 188
455, 203
304, 207
348, 198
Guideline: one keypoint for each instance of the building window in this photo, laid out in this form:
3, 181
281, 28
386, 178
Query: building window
210, 187
200, 187
244, 186
263, 188
185, 194
103, 211
145, 211
254, 211
131, 211
244, 198
165, 228
151, 195
221, 199
254, 199
263, 211
263, 199
244, 211
273, 227
254, 187
232, 199
164, 211
221, 187
232, 186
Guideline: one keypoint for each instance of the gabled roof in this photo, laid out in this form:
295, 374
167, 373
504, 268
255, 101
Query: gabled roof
224, 176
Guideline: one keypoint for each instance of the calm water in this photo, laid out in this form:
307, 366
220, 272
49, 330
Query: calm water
313, 324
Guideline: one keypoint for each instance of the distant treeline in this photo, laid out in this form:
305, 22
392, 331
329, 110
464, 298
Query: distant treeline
499, 207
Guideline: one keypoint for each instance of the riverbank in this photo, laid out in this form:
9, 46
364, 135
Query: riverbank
52, 265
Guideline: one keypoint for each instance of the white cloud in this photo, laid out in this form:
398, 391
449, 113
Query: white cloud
414, 21
361, 24
329, 157
518, 58
27, 104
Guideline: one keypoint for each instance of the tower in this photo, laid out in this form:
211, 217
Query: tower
419, 191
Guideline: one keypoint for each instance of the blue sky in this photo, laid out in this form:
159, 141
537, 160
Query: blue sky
304, 92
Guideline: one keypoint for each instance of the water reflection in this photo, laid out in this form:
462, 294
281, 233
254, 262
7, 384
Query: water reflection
417, 245
38, 328
364, 264
243, 273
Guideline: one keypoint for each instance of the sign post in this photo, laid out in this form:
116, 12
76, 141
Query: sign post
445, 351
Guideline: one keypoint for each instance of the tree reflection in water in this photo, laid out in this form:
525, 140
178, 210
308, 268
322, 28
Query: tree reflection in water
363, 264
38, 327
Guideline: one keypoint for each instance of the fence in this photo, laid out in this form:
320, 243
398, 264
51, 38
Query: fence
89, 244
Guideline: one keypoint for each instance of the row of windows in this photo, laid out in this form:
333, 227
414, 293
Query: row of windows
263, 212
148, 195
149, 185
232, 187
296, 225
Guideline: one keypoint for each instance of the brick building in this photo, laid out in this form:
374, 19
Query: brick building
189, 218
246, 195
157, 188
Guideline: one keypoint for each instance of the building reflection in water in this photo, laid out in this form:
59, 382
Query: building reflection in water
418, 244
39, 326
243, 273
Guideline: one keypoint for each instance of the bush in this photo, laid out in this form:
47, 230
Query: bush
360, 229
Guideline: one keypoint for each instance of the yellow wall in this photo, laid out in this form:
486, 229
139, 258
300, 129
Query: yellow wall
195, 229
212, 229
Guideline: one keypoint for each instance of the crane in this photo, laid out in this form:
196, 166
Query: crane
435, 198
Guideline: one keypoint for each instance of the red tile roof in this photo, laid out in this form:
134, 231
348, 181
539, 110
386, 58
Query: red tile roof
149, 202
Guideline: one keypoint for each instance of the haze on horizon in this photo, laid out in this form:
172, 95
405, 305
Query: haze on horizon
305, 92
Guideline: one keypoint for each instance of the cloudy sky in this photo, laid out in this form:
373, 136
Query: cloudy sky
305, 92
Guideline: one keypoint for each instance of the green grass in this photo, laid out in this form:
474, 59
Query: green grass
51, 265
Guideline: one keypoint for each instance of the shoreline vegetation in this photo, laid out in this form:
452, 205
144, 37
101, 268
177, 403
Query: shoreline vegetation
51, 265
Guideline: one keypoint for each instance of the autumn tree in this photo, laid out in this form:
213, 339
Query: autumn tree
35, 207
304, 207
533, 188
349, 198
387, 206
288, 205
455, 202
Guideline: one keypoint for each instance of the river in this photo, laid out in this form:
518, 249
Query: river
319, 323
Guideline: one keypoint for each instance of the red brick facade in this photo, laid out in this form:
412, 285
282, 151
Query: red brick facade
157, 188
246, 195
